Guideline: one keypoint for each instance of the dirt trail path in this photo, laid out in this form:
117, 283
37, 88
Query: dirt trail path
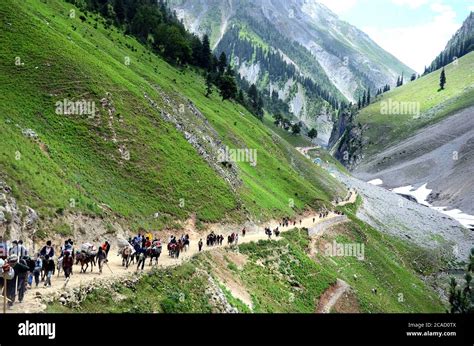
32, 304
319, 228
332, 296
351, 198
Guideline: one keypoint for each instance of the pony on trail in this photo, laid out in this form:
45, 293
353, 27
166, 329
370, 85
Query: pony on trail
277, 232
59, 265
153, 252
85, 259
126, 254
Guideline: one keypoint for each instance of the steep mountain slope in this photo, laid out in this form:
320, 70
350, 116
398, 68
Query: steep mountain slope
341, 59
148, 156
437, 157
398, 114
440, 156
416, 135
459, 45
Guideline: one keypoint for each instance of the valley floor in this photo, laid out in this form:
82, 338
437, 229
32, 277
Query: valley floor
392, 214
440, 156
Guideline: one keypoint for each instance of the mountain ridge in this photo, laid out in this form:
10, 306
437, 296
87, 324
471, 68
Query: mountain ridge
320, 50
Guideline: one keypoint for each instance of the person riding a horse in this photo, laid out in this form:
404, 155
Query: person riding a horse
154, 251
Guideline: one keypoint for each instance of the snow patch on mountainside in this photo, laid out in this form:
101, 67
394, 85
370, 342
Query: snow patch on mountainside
421, 196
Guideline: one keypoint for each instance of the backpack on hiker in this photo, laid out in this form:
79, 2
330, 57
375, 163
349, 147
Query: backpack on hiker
38, 265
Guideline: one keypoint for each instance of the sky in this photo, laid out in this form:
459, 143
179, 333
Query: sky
415, 31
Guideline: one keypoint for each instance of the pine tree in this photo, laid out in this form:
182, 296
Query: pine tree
227, 87
442, 79
313, 134
208, 85
259, 110
253, 97
368, 97
240, 97
119, 11
296, 129
222, 64
206, 53
278, 119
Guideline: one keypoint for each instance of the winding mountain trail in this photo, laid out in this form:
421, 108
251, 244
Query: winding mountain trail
332, 296
318, 229
32, 302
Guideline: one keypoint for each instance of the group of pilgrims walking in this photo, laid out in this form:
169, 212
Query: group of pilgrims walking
22, 270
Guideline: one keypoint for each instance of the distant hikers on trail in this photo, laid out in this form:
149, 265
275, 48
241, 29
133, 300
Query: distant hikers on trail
213, 239
233, 239
268, 232
24, 270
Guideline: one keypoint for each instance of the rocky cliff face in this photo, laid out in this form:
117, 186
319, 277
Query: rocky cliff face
16, 222
346, 54
347, 140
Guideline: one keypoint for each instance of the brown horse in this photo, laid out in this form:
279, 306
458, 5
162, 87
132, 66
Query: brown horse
85, 259
126, 253
153, 252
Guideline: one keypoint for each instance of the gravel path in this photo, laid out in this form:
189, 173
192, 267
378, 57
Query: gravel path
332, 296
320, 227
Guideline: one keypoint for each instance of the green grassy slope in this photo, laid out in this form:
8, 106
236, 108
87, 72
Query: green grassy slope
76, 158
386, 129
